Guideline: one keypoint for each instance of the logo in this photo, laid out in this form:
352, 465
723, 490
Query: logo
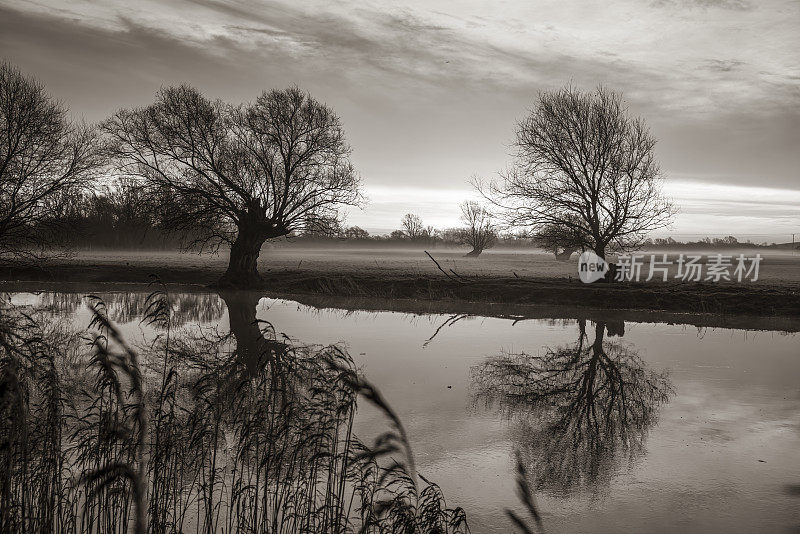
591, 267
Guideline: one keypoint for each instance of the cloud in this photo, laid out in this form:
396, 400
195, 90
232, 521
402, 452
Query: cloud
770, 213
735, 5
723, 65
429, 91
655, 53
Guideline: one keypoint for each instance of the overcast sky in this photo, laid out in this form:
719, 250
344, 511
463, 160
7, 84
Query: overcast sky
429, 90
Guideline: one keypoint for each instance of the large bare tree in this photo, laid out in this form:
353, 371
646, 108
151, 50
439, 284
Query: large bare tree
44, 158
479, 233
237, 174
584, 165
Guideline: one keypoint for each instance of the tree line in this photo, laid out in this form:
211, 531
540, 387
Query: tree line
120, 215
201, 173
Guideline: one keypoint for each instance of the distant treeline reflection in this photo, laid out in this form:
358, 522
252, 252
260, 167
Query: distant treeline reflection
127, 306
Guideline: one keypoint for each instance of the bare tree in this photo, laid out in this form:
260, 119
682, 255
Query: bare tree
583, 164
562, 241
237, 175
412, 226
480, 233
44, 158
322, 226
355, 232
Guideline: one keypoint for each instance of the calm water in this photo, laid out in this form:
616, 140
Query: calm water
635, 427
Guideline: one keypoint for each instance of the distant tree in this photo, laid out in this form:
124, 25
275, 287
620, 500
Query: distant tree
583, 164
398, 235
453, 236
412, 226
70, 209
120, 214
131, 206
237, 175
664, 242
322, 227
355, 232
44, 160
561, 240
479, 233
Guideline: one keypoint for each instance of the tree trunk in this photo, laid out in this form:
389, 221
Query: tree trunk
474, 252
611, 274
599, 335
565, 254
253, 349
600, 251
615, 328
243, 263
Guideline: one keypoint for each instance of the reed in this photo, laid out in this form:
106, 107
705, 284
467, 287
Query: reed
184, 435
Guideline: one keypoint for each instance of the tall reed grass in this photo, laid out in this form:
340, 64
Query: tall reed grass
181, 435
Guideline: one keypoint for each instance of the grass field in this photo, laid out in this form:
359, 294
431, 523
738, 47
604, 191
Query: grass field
781, 268
496, 276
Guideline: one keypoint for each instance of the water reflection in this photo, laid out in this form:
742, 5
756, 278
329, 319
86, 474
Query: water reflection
127, 306
703, 462
580, 411
199, 431
255, 341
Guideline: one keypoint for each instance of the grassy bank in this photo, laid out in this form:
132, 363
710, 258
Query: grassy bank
514, 279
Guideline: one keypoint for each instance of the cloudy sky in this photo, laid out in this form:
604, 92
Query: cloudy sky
429, 90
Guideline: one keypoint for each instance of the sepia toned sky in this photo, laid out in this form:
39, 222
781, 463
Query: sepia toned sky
429, 90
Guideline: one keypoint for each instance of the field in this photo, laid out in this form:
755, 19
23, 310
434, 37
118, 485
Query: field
500, 276
777, 267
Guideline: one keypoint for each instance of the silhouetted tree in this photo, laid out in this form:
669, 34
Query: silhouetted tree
398, 235
356, 232
317, 226
453, 236
480, 232
44, 160
582, 163
581, 409
237, 175
412, 226
561, 240
728, 241
118, 215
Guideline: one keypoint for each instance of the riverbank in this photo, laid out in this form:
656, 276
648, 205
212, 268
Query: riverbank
509, 279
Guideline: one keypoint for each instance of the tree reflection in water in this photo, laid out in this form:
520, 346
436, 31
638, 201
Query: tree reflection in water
242, 431
580, 411
255, 341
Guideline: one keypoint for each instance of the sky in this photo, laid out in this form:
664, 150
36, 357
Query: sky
429, 91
